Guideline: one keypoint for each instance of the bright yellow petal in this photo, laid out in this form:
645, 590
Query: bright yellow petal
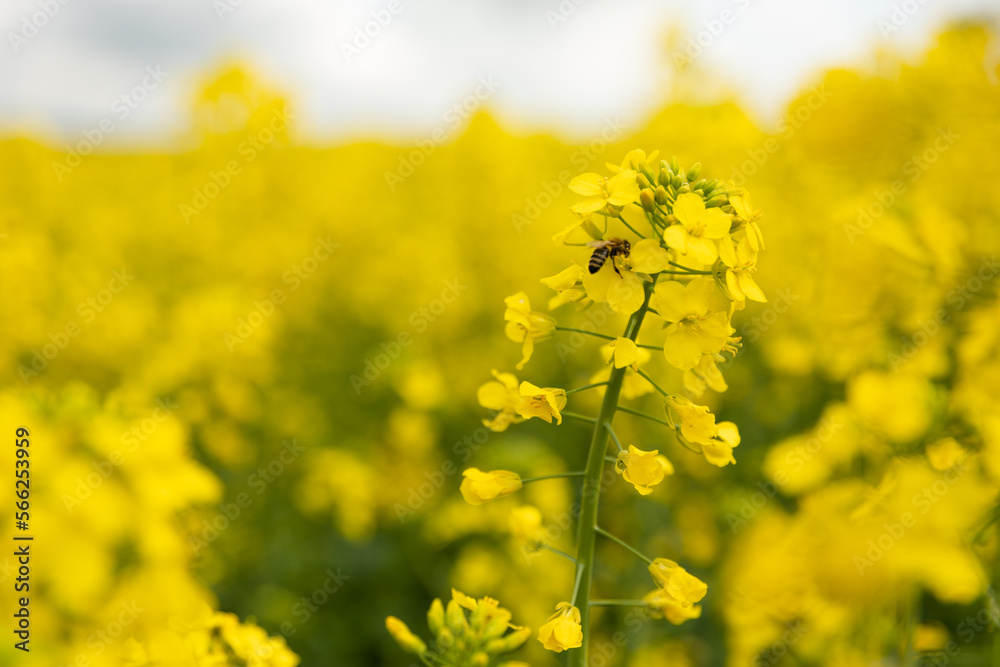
588, 185
647, 256
626, 294
681, 348
626, 352
689, 208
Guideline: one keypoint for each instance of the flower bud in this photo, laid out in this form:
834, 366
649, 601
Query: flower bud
480, 659
592, 229
676, 182
675, 166
435, 616
718, 200
455, 618
660, 195
511, 642
407, 641
445, 638
694, 171
647, 199
643, 181
665, 175
644, 170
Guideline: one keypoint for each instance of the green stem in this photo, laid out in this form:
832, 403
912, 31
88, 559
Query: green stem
591, 490
644, 415
558, 552
624, 544
634, 230
588, 333
582, 418
689, 269
586, 386
578, 473
653, 382
614, 436
618, 603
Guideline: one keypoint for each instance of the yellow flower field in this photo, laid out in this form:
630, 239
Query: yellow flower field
274, 393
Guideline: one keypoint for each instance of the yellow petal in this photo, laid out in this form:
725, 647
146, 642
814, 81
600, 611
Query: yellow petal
647, 256
626, 352
588, 185
689, 208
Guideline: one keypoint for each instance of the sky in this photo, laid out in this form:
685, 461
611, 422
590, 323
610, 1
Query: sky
394, 70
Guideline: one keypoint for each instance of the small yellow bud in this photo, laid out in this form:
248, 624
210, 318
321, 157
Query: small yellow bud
511, 642
435, 616
675, 166
455, 618
445, 638
407, 641
646, 172
593, 231
643, 181
647, 199
480, 659
694, 171
479, 487
661, 195
717, 200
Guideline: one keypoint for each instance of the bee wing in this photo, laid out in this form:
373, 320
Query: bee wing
599, 244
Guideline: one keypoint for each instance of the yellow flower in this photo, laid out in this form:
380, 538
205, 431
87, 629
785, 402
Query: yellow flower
945, 454
632, 160
648, 256
696, 423
677, 582
660, 603
694, 330
747, 216
643, 470
525, 524
479, 487
741, 261
408, 641
525, 325
705, 375
501, 395
600, 191
719, 451
562, 630
567, 282
622, 290
542, 403
698, 228
623, 352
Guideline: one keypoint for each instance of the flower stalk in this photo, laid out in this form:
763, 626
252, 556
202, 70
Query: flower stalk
591, 491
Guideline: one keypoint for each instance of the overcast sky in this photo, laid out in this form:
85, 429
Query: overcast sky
556, 65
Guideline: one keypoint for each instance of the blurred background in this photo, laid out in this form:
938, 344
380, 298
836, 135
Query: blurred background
254, 255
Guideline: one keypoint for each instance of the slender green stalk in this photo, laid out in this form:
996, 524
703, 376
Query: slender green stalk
643, 415
591, 491
578, 473
628, 546
558, 552
614, 436
651, 381
586, 386
578, 417
633, 229
588, 333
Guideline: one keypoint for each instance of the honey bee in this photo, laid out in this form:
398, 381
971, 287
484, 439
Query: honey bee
605, 250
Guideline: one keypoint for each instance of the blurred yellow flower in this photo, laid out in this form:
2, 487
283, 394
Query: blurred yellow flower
741, 263
525, 325
719, 450
562, 630
479, 487
501, 395
623, 352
